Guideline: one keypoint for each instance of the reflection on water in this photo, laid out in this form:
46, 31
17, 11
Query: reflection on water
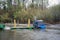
6, 35
30, 35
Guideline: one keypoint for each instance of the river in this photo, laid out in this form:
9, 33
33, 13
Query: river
25, 34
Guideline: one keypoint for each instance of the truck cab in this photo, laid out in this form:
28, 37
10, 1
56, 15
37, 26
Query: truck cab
39, 24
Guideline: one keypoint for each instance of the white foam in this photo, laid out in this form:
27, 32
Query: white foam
7, 28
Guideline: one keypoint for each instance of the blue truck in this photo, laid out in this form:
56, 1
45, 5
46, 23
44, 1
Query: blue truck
39, 24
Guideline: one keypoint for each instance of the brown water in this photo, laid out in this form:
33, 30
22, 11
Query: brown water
30, 35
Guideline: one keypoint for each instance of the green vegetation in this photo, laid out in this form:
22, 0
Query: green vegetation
21, 14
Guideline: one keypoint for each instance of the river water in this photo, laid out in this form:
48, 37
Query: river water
48, 34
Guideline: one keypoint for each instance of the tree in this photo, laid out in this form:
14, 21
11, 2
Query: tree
55, 11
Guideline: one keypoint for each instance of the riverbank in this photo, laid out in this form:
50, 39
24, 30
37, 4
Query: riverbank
48, 26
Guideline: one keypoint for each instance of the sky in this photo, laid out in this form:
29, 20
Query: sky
53, 2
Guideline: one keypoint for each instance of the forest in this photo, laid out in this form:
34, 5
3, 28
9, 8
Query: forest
22, 14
